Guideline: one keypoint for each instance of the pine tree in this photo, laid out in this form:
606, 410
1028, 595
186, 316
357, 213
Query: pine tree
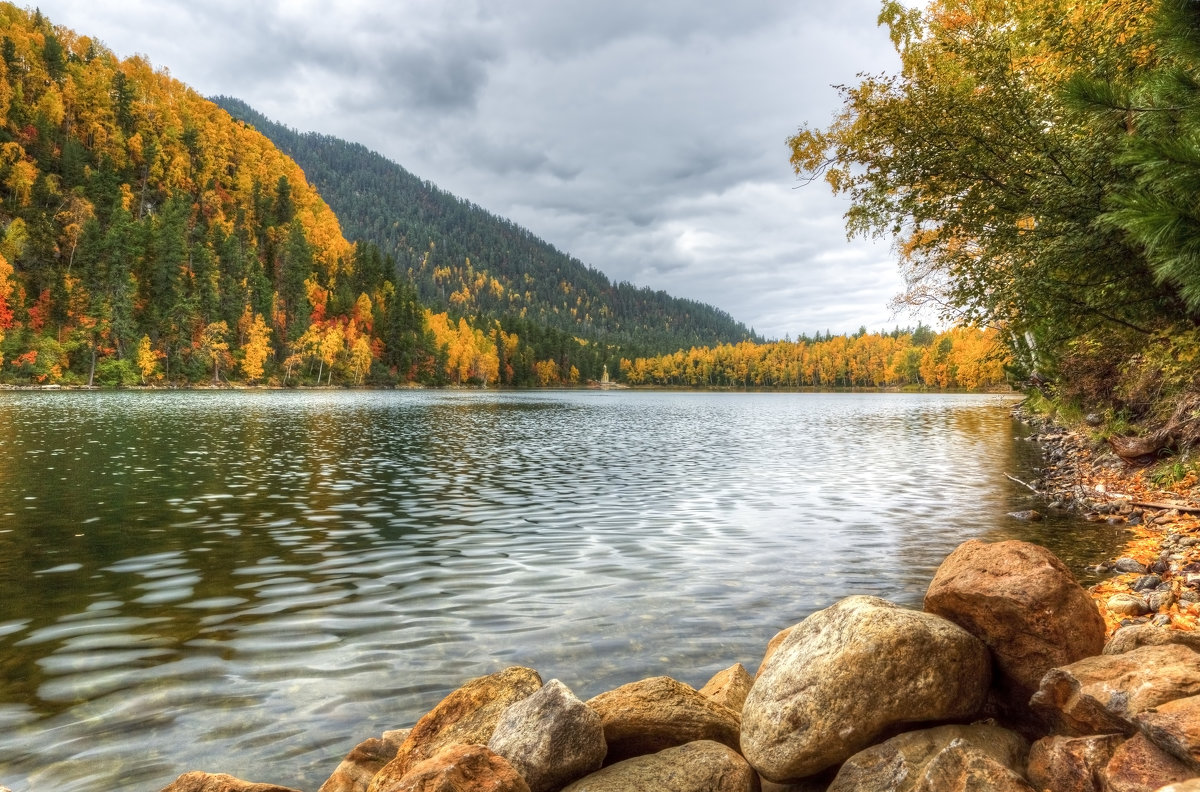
1160, 111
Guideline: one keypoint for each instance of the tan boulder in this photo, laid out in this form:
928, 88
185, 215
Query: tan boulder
1191, 785
729, 687
467, 716
1139, 765
551, 738
851, 672
941, 759
1071, 764
1020, 600
772, 647
197, 781
1129, 638
701, 766
460, 768
652, 714
1175, 727
366, 759
1101, 695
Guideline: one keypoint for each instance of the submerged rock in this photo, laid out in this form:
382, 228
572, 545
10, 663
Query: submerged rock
551, 738
851, 672
652, 714
1022, 601
701, 766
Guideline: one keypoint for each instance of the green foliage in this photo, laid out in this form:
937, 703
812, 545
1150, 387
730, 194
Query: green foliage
1175, 470
1159, 109
116, 373
989, 182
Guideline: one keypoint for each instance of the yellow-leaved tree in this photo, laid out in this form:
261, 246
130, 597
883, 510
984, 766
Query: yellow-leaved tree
257, 348
147, 361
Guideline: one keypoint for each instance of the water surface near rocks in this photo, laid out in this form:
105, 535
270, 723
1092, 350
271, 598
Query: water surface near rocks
252, 582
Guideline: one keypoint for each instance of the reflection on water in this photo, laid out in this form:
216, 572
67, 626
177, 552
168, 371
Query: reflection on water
252, 582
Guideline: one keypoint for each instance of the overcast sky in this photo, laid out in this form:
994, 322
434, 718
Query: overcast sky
645, 138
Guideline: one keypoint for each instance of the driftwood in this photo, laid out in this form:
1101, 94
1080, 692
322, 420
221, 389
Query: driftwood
1181, 430
1022, 483
1175, 506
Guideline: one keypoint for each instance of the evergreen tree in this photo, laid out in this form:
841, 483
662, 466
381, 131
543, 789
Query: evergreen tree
1157, 119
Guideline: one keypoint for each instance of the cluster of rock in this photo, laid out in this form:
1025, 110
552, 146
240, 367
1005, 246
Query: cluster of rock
1161, 587
1003, 682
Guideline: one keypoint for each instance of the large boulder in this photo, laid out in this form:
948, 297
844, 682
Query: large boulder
460, 768
1139, 765
772, 647
941, 759
551, 738
467, 716
729, 688
1135, 636
1191, 785
1175, 727
652, 714
197, 781
1021, 601
1071, 764
701, 766
355, 772
851, 672
1101, 695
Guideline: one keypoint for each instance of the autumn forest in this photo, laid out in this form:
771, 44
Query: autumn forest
1026, 162
149, 238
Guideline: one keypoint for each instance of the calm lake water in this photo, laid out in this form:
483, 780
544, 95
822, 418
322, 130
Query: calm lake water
253, 582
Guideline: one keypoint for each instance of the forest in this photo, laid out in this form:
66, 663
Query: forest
1036, 165
148, 238
959, 358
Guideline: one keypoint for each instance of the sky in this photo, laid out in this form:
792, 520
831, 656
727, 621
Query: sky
647, 139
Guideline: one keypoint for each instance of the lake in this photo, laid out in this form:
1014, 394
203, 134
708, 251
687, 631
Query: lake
252, 582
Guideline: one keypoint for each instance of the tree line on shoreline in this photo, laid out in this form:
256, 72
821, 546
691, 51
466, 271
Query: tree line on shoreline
958, 358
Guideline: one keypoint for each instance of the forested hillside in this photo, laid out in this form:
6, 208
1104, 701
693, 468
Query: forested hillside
147, 237
468, 261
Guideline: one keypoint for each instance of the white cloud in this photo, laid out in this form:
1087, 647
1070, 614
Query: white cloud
645, 139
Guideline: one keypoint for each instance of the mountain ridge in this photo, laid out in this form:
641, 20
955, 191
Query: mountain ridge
468, 260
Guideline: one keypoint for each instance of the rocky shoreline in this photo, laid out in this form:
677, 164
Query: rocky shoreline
1157, 577
1004, 681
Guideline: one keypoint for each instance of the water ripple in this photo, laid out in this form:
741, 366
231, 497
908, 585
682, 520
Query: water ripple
251, 582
